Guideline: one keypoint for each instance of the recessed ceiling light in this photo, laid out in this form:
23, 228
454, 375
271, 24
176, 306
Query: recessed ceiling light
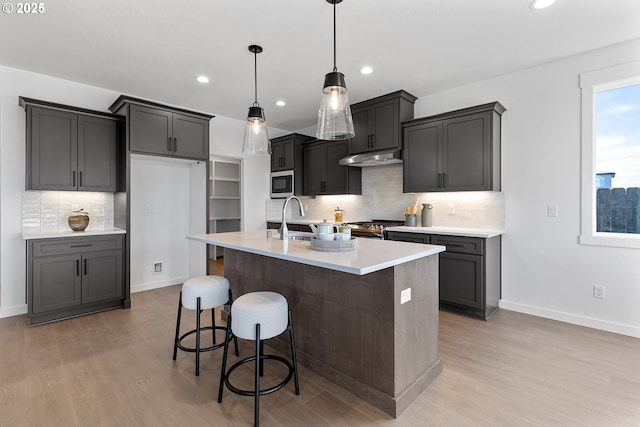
366, 70
541, 4
281, 103
202, 79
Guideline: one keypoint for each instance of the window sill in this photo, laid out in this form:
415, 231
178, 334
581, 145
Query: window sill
614, 240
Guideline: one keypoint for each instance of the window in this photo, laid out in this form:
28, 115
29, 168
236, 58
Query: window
611, 156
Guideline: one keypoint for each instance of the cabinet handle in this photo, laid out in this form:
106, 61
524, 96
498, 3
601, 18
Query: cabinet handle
85, 267
444, 179
373, 141
169, 144
77, 267
175, 144
81, 246
80, 179
439, 180
73, 178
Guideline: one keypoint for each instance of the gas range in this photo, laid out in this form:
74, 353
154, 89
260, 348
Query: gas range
372, 228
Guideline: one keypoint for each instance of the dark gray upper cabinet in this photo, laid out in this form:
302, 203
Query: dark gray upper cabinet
70, 150
160, 130
322, 173
156, 131
377, 122
456, 151
286, 152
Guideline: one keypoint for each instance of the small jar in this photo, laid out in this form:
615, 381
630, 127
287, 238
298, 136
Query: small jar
410, 220
338, 215
78, 220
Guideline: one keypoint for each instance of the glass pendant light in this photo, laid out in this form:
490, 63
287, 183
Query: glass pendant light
256, 139
334, 116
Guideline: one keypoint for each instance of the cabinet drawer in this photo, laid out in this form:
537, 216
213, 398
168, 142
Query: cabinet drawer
459, 244
47, 247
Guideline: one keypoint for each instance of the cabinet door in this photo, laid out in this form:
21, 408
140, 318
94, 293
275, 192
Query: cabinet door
96, 154
314, 169
277, 156
467, 155
385, 125
422, 153
150, 130
56, 283
361, 142
52, 149
337, 176
102, 277
462, 280
190, 137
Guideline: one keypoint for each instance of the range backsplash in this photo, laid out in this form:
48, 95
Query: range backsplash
382, 198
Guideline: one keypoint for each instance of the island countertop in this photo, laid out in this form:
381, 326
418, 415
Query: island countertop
371, 254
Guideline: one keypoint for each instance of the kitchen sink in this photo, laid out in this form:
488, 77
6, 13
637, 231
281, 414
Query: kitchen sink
304, 237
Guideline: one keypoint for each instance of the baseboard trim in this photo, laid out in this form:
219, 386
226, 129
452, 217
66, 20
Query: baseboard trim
140, 287
589, 322
13, 311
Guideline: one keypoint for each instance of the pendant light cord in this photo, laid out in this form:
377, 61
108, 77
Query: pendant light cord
335, 68
255, 74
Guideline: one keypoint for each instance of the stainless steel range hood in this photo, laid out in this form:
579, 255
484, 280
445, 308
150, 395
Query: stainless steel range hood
376, 158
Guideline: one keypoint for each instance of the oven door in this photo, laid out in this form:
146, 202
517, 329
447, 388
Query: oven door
282, 184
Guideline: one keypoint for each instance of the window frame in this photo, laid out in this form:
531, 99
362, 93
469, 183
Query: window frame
592, 82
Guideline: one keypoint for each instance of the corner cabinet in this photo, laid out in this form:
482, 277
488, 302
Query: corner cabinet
71, 149
469, 271
74, 276
377, 122
456, 151
323, 175
165, 131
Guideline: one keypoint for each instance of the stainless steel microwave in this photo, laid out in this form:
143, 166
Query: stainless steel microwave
282, 185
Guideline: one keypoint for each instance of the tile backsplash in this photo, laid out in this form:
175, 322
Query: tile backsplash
48, 210
382, 198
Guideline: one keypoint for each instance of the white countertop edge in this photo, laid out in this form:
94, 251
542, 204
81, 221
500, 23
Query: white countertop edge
28, 234
345, 269
451, 231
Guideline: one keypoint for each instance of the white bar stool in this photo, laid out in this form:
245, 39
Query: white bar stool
202, 293
259, 316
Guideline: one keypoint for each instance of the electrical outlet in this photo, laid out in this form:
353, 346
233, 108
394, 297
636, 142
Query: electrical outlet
148, 209
598, 291
552, 210
157, 267
452, 208
405, 295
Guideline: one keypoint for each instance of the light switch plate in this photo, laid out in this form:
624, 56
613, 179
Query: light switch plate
405, 296
552, 210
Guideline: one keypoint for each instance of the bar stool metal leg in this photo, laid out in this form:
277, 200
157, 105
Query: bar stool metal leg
293, 355
175, 341
256, 410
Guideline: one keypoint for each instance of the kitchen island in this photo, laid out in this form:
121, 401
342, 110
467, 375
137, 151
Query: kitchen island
365, 319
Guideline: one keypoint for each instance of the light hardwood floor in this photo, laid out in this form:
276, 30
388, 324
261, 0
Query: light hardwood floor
115, 369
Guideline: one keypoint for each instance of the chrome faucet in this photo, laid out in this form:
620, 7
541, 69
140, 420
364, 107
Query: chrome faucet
284, 232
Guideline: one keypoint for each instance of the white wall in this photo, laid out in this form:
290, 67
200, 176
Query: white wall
545, 271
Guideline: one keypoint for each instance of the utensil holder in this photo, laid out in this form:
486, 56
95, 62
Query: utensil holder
410, 220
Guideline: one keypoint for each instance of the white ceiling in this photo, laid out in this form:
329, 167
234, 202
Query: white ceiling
155, 48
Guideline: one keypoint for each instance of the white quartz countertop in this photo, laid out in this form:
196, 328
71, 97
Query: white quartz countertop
371, 255
450, 231
37, 233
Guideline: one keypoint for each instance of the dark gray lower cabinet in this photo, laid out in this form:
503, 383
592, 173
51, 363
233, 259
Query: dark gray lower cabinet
469, 271
290, 227
69, 277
